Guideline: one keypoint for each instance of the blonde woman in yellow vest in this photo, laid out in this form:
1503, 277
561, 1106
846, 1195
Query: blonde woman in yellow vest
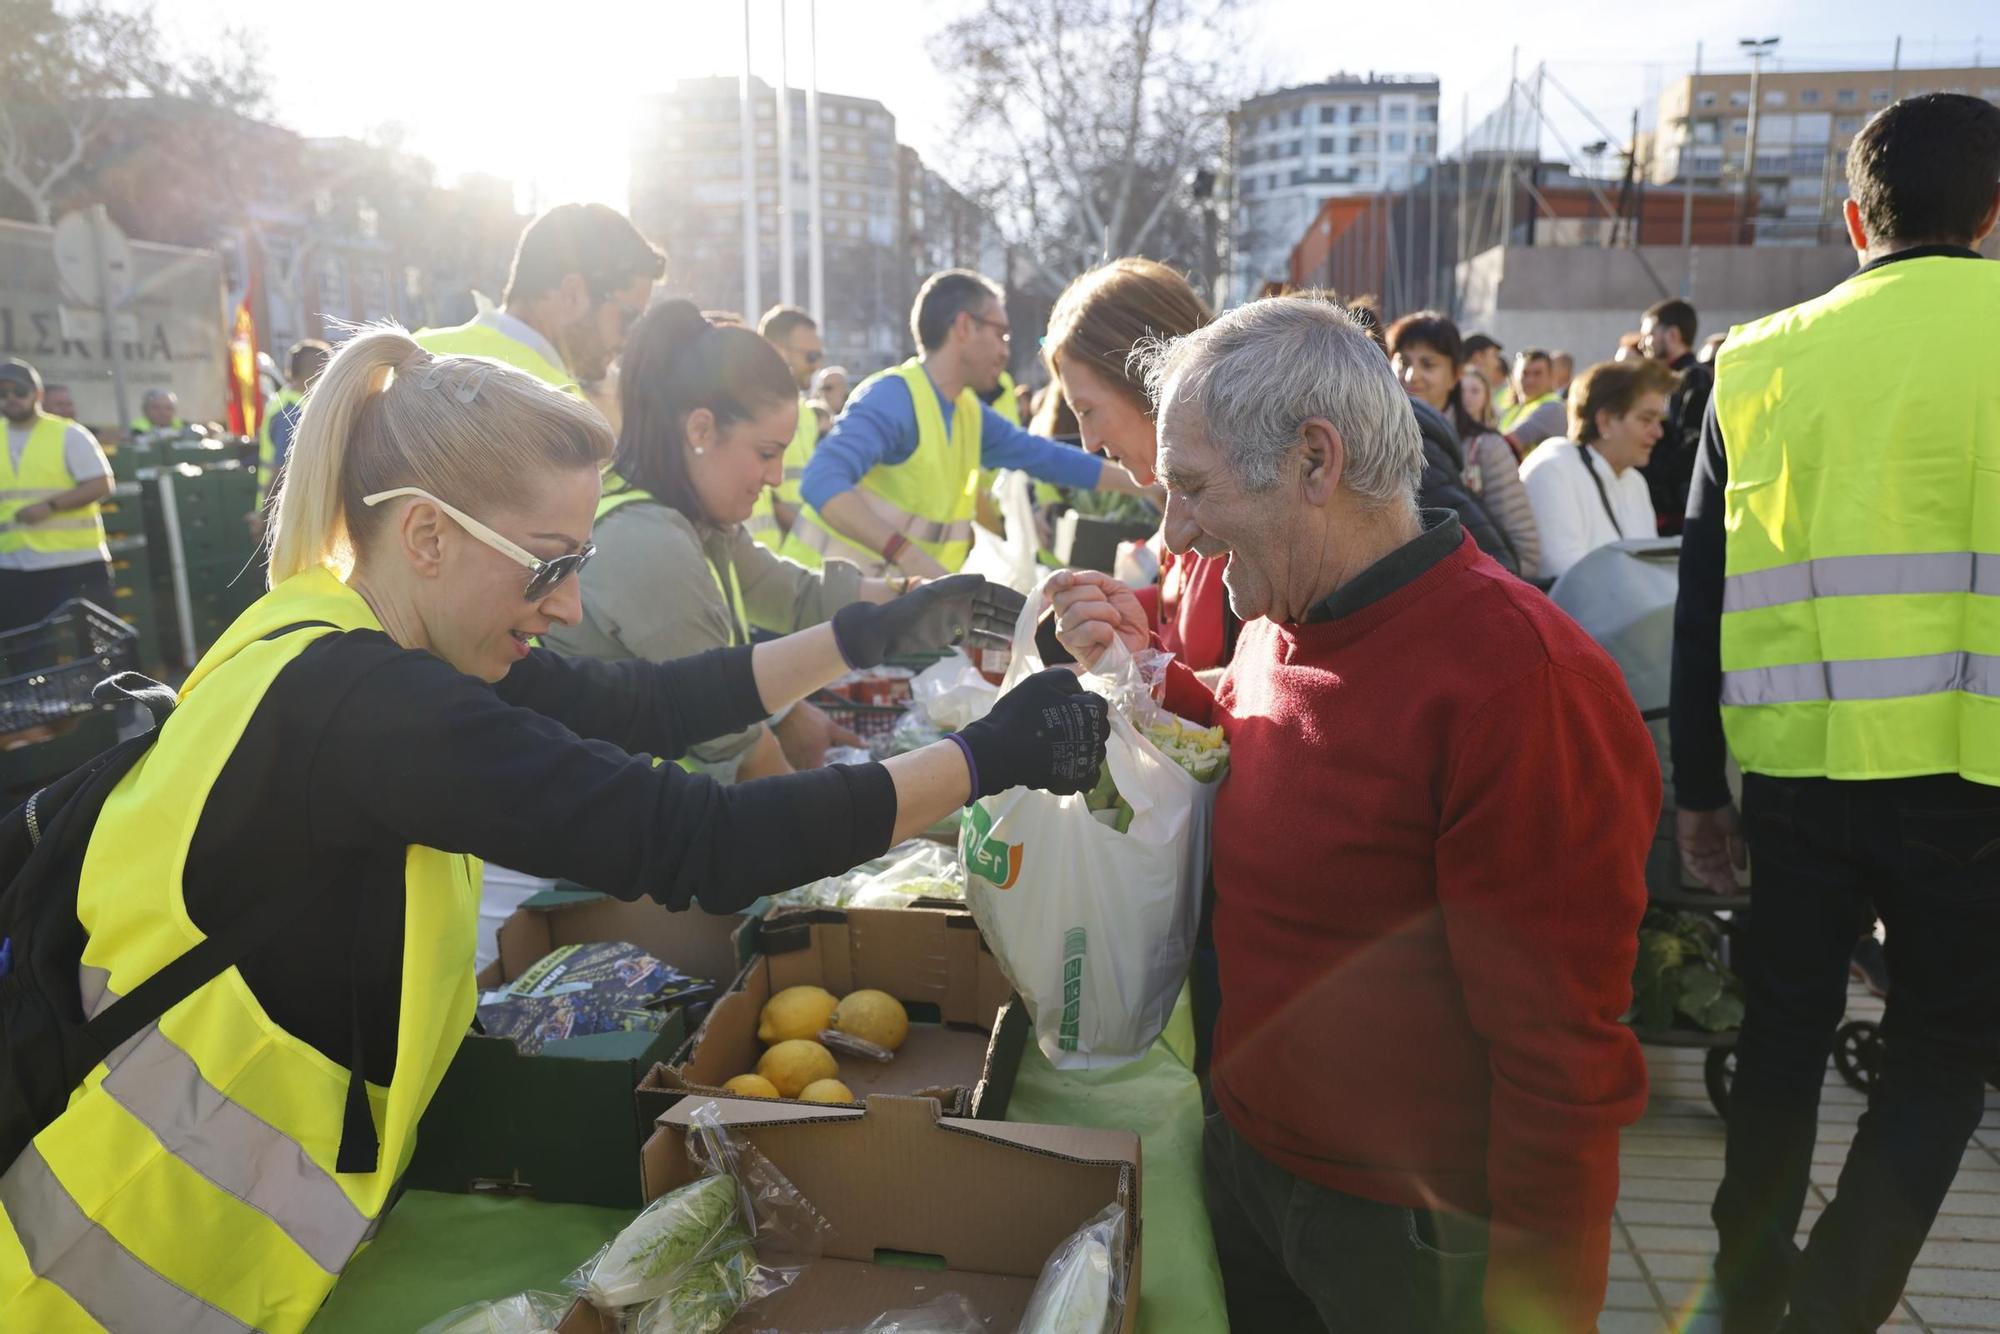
795, 335
51, 478
581, 276
1838, 624
894, 486
706, 413
371, 728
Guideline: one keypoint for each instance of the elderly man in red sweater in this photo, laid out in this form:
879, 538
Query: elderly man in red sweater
1428, 861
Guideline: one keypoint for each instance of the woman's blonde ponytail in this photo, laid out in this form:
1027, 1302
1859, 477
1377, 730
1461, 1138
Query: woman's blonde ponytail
309, 527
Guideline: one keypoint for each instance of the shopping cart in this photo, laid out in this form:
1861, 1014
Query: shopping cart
49, 720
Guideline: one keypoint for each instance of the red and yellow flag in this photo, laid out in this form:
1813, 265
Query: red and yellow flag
246, 404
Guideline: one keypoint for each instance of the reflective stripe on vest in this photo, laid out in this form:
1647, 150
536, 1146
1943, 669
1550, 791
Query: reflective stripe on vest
930, 497
763, 521
42, 475
483, 340
1861, 594
195, 1167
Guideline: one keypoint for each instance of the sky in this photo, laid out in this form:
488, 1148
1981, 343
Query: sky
497, 87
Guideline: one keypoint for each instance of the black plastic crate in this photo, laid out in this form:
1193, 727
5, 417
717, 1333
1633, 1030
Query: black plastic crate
48, 670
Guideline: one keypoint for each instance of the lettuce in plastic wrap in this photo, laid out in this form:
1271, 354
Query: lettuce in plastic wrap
649, 1258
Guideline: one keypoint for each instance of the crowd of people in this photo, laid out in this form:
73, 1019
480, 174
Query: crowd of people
1428, 858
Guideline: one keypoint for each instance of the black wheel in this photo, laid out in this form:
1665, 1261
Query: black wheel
1857, 1054
1719, 1072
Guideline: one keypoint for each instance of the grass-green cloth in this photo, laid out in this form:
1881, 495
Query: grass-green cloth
437, 1252
1180, 1283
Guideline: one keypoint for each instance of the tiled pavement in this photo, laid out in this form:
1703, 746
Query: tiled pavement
1671, 1162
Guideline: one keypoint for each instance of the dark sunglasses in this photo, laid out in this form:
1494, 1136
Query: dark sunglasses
543, 575
815, 358
11, 390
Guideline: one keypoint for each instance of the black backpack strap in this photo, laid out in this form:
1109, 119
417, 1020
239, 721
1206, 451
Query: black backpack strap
204, 961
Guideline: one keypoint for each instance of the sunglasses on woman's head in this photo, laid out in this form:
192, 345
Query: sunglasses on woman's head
543, 576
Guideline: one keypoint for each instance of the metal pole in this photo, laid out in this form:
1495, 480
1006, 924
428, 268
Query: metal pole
1750, 148
1431, 281
1464, 219
753, 299
1687, 176
1409, 255
815, 223
787, 292
1507, 154
1896, 70
99, 220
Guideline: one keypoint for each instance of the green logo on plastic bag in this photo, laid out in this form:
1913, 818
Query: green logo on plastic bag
1075, 945
993, 860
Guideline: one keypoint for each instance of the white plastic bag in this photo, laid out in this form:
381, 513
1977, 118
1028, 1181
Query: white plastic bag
951, 693
1008, 560
1095, 928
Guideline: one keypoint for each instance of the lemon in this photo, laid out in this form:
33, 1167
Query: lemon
873, 1016
826, 1090
751, 1086
795, 1063
795, 1012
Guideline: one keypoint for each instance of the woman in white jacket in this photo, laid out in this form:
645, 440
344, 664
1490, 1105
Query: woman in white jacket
1586, 488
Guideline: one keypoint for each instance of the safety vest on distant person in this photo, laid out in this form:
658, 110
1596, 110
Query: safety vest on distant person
763, 521
474, 339
930, 497
194, 1183
267, 448
42, 475
1861, 602
1008, 404
1520, 412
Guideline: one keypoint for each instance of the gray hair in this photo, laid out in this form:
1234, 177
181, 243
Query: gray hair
1258, 373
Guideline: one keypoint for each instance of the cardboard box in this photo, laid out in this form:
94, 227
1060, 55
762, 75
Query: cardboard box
561, 1124
933, 961
989, 1200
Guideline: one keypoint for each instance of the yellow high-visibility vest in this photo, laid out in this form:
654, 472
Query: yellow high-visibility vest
191, 1183
1861, 603
44, 474
474, 339
763, 521
1520, 412
619, 492
930, 497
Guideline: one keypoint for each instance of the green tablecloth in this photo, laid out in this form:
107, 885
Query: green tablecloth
436, 1252
1180, 1284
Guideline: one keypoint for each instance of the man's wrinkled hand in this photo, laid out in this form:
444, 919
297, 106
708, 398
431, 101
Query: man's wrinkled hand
1711, 844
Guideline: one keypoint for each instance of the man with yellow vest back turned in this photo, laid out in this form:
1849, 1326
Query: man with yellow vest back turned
582, 274
796, 336
51, 538
894, 487
1839, 624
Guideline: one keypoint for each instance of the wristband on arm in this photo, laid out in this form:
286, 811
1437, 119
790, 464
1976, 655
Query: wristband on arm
893, 549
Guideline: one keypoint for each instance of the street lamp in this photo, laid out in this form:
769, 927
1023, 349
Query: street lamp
1757, 48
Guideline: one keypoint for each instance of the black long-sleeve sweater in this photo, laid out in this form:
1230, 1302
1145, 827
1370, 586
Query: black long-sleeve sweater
361, 748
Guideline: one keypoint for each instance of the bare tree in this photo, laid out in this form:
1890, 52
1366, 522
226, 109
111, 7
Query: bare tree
64, 72
1086, 121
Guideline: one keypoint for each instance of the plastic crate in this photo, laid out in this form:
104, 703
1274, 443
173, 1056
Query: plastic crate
48, 670
870, 722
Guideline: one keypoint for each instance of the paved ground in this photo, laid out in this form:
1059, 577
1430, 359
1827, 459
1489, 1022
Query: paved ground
1673, 1159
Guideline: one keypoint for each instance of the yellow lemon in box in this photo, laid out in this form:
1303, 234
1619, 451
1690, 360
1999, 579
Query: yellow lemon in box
873, 1016
795, 1012
751, 1086
826, 1090
793, 1064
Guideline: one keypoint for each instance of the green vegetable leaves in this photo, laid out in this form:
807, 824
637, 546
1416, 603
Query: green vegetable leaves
1680, 978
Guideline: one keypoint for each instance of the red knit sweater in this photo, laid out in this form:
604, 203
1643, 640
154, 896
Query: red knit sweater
1429, 859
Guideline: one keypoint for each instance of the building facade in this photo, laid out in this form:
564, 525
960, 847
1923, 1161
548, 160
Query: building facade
687, 197
1295, 148
1805, 121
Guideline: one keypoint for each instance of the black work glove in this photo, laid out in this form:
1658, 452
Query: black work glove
929, 617
1047, 732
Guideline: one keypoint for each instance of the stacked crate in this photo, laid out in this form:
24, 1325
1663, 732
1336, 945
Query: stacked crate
133, 597
202, 551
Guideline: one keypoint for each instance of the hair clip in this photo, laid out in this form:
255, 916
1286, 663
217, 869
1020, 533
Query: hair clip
433, 374
473, 384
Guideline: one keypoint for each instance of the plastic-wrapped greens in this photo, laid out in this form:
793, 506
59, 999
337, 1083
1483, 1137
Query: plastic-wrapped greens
656, 1249
523, 1313
1082, 1288
707, 1296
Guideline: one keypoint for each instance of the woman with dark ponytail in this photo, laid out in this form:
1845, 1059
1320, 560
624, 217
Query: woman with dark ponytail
707, 411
